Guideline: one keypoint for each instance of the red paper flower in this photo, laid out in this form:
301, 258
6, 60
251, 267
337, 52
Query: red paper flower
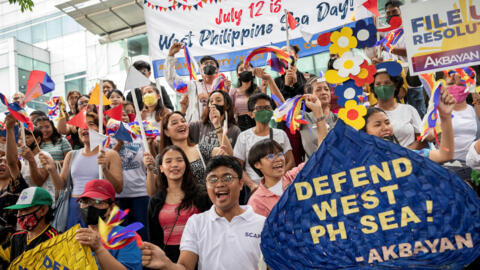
365, 76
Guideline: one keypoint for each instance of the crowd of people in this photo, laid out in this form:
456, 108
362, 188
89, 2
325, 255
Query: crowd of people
202, 188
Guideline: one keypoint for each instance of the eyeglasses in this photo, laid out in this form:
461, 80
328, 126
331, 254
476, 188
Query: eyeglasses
273, 156
226, 179
89, 202
261, 108
80, 103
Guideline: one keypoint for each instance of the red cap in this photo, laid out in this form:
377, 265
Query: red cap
99, 189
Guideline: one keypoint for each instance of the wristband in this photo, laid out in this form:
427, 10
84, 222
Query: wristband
320, 119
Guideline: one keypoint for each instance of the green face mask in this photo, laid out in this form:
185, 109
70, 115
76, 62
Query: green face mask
263, 116
384, 92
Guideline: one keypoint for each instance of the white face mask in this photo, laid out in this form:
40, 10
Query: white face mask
3, 147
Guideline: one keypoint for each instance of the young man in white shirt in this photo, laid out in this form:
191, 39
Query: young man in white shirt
260, 107
225, 237
197, 91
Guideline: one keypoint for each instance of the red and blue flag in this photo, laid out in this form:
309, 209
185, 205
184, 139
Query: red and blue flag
39, 83
17, 112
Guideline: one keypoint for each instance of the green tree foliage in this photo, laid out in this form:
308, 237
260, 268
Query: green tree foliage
24, 4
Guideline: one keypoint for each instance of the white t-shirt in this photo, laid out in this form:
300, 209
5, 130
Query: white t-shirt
247, 139
473, 158
220, 244
464, 131
134, 173
47, 185
406, 122
277, 188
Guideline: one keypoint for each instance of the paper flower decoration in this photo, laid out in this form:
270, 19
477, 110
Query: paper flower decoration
332, 77
342, 41
348, 64
353, 114
347, 91
366, 34
114, 237
365, 76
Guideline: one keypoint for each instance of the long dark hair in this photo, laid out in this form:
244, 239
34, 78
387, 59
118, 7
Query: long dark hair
228, 103
189, 187
371, 111
165, 141
55, 137
108, 107
159, 109
253, 86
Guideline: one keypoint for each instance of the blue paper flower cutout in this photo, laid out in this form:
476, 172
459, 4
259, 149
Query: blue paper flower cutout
366, 34
347, 91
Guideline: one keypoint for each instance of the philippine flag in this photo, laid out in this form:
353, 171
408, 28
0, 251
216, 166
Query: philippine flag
39, 83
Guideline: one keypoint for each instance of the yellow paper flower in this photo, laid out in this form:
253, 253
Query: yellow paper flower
353, 114
342, 41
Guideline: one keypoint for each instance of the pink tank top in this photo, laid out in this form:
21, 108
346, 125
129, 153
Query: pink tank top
167, 217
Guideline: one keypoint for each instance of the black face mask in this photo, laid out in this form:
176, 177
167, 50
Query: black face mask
220, 108
390, 18
91, 214
32, 146
245, 76
209, 70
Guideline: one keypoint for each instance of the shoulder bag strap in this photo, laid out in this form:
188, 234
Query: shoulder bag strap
69, 175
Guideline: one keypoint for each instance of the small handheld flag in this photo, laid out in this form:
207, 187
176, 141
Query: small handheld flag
191, 64
17, 112
39, 83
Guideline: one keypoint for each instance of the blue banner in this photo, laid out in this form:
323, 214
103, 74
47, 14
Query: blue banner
363, 202
229, 61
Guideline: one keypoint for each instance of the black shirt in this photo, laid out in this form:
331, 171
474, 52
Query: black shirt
19, 242
296, 89
9, 196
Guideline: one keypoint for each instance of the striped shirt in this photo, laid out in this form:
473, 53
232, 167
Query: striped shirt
57, 151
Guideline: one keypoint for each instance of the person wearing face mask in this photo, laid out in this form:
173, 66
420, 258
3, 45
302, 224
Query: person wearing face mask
146, 70
261, 109
71, 132
81, 166
97, 201
153, 109
414, 94
464, 121
208, 132
34, 206
197, 91
246, 88
32, 170
405, 120
267, 159
377, 123
11, 185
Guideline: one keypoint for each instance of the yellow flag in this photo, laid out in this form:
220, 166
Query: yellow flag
94, 97
60, 252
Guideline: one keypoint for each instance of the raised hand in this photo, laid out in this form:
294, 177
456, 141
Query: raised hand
447, 102
175, 48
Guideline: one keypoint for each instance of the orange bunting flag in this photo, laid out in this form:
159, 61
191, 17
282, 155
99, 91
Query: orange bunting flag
95, 97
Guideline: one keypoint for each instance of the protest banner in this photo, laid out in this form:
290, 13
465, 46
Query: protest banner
62, 252
228, 30
441, 34
363, 202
